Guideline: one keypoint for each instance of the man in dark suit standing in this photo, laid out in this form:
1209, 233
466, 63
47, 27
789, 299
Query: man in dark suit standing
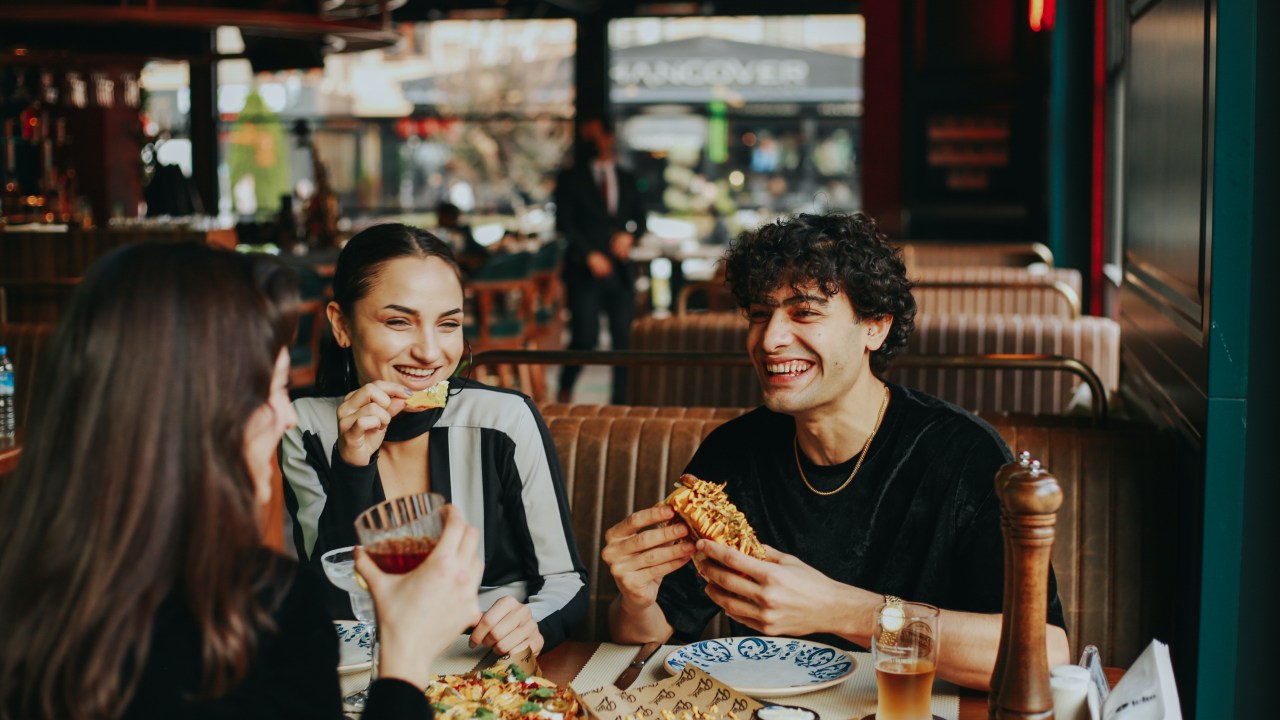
599, 214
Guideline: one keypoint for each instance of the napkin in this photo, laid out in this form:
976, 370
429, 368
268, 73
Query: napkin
1147, 691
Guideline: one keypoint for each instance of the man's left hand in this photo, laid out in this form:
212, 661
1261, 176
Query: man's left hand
777, 596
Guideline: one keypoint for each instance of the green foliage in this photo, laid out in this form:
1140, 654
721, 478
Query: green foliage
258, 147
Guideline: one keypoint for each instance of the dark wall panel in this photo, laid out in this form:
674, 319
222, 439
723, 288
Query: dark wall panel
1167, 195
1165, 168
1165, 181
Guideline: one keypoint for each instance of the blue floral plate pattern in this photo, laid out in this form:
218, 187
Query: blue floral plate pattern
355, 645
765, 666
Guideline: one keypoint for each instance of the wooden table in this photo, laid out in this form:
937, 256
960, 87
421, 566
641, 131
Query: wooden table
562, 664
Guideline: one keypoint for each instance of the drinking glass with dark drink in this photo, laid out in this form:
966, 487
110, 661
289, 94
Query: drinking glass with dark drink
398, 534
904, 649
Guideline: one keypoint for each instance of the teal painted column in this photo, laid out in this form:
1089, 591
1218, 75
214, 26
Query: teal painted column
1070, 134
1238, 614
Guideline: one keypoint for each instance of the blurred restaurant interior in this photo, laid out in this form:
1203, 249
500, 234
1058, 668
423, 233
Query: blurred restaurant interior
1066, 178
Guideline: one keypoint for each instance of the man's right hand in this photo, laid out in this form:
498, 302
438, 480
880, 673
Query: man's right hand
640, 551
599, 264
363, 417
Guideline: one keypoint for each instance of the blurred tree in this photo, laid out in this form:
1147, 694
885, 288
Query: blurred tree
257, 148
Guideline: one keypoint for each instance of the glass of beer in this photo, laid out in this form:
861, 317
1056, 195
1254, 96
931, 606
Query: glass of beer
400, 533
904, 649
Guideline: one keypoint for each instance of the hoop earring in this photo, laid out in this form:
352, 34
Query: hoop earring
348, 371
471, 363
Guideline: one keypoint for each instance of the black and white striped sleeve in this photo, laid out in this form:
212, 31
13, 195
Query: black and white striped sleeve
561, 599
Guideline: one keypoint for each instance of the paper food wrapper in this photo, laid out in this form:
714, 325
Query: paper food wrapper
691, 690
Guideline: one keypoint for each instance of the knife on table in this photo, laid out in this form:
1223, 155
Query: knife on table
488, 660
632, 671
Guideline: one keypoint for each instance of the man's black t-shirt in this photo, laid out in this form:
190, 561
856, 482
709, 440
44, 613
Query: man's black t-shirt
920, 520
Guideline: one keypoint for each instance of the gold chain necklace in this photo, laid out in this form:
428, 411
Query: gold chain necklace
795, 446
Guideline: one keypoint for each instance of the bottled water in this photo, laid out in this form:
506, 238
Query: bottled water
8, 411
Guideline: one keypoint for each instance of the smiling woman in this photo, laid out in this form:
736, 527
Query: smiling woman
397, 330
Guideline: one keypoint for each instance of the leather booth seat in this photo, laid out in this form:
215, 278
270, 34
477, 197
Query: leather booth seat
618, 459
1094, 341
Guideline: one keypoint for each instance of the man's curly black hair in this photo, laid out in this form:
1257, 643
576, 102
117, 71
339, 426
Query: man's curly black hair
841, 253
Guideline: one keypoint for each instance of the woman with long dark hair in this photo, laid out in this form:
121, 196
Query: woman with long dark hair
397, 318
133, 582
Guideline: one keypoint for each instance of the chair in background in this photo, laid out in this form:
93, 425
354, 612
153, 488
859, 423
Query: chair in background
501, 298
304, 353
548, 305
313, 325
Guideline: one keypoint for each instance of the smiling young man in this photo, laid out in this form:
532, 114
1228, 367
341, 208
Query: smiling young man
861, 489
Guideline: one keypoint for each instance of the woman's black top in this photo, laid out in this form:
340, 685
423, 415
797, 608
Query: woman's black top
293, 674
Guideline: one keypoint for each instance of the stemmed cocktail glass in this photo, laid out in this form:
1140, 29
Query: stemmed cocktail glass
340, 567
398, 534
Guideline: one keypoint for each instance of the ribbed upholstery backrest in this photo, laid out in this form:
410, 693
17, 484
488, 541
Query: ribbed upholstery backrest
689, 385
618, 459
939, 253
1093, 340
616, 463
1028, 292
1111, 552
26, 343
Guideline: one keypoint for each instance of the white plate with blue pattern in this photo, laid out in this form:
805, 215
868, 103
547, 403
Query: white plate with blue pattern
355, 646
765, 667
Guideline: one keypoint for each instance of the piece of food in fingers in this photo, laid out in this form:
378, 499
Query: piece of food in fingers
705, 508
433, 397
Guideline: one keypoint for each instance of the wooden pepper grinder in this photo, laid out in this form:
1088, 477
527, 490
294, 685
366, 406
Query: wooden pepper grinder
1022, 464
1029, 505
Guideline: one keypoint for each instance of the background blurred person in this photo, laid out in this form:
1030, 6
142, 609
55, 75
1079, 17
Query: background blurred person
397, 320
470, 254
600, 214
134, 581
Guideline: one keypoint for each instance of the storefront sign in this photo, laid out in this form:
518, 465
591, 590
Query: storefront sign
710, 72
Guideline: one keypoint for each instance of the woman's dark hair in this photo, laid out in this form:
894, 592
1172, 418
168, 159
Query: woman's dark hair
359, 265
841, 254
133, 485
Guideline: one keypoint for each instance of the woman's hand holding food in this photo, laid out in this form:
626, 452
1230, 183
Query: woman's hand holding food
508, 626
780, 595
644, 548
363, 417
422, 611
